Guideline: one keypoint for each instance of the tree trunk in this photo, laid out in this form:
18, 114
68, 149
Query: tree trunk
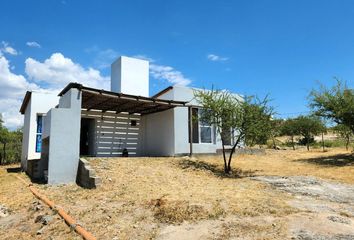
224, 155
4, 152
274, 145
347, 143
292, 142
231, 153
308, 144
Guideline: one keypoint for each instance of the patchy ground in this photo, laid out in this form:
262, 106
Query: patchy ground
281, 195
327, 208
24, 217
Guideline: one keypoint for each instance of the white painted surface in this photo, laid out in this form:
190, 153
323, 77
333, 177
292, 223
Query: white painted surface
130, 76
39, 103
64, 138
157, 134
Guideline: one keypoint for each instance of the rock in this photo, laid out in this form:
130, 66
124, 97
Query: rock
44, 219
4, 211
339, 219
40, 231
36, 206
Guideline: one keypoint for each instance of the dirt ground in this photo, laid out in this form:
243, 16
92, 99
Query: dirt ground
283, 194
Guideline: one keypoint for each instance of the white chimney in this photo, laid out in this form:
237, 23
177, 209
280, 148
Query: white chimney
130, 76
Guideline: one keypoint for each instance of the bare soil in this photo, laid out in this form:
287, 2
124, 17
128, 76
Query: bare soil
281, 195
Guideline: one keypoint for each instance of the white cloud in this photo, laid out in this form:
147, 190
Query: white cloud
169, 74
6, 48
33, 44
13, 88
57, 71
143, 57
11, 84
50, 75
102, 58
216, 58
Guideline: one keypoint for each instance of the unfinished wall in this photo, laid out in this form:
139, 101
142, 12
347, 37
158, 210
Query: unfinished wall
64, 138
114, 132
86, 176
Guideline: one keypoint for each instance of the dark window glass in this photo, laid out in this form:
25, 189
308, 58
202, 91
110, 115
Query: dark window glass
38, 143
39, 124
39, 133
195, 125
205, 134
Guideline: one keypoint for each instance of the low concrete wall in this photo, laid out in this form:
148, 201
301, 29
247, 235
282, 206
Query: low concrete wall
86, 176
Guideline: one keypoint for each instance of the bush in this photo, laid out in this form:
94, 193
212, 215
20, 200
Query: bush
303, 141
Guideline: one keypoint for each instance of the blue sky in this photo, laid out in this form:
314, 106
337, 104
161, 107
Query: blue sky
282, 48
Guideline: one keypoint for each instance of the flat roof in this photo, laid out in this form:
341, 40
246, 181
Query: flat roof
104, 100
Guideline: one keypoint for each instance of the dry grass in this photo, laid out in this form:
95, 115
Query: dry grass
335, 164
139, 197
21, 203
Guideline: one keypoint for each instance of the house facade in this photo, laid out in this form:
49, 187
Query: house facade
83, 121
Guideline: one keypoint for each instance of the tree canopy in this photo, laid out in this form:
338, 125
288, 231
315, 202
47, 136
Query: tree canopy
244, 119
335, 103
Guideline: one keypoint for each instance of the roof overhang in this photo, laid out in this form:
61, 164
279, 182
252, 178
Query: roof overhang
25, 101
96, 99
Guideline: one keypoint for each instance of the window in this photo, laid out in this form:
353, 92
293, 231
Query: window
226, 132
202, 132
205, 130
39, 133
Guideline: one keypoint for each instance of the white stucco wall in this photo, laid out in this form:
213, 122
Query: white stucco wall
130, 76
64, 138
157, 134
39, 103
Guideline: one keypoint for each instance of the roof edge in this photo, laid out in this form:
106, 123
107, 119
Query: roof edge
102, 91
162, 92
25, 101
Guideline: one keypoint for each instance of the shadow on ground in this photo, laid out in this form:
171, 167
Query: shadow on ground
201, 165
13, 169
339, 160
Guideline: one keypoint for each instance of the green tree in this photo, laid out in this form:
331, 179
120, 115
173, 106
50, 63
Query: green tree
308, 127
248, 118
275, 130
11, 144
289, 128
4, 140
336, 103
345, 133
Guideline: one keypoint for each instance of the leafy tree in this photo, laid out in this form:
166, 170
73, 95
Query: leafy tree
248, 118
275, 130
336, 104
11, 144
308, 127
345, 133
289, 128
4, 139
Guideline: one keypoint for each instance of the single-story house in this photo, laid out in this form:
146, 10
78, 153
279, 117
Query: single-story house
84, 121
